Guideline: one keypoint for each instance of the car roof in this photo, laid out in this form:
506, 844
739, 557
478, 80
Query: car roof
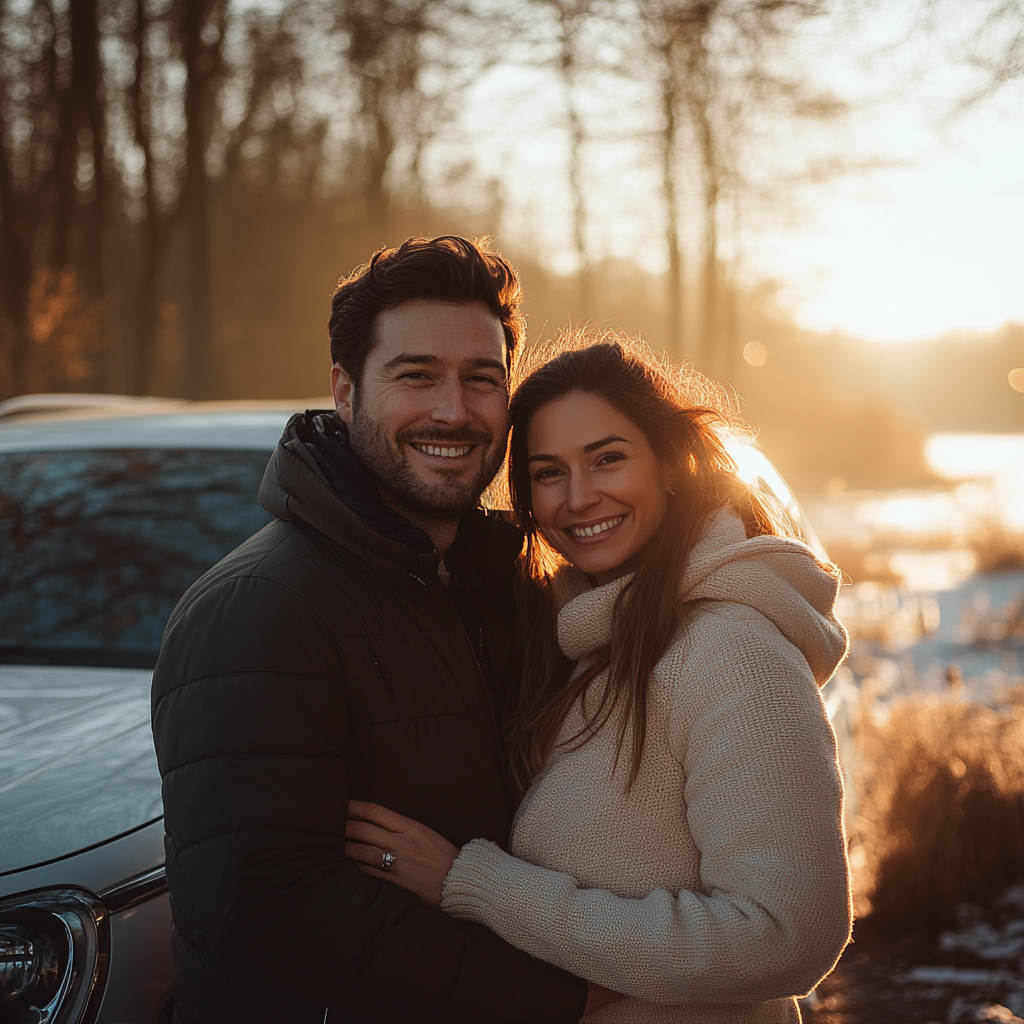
60, 422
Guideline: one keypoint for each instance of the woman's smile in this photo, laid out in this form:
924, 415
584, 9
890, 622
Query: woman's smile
595, 531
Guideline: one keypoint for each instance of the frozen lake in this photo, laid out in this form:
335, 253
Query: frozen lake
936, 543
933, 539
966, 456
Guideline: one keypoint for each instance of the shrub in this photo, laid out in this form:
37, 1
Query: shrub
942, 819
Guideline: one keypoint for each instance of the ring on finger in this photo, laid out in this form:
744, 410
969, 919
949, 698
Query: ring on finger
386, 860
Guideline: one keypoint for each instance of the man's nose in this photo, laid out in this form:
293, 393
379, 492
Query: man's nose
450, 404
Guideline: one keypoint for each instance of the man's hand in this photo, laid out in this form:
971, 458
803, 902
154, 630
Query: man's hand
598, 996
422, 858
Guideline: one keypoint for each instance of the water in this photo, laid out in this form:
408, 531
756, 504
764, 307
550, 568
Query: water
969, 456
933, 539
957, 613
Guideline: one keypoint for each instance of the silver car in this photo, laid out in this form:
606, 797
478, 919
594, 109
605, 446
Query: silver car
109, 509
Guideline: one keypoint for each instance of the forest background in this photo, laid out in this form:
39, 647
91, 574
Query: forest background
182, 182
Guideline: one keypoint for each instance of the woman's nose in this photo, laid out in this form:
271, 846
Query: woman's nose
580, 494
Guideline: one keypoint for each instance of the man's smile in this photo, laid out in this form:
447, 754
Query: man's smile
444, 452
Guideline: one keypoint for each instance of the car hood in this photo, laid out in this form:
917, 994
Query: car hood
77, 765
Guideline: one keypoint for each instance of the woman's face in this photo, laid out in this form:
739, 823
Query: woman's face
599, 492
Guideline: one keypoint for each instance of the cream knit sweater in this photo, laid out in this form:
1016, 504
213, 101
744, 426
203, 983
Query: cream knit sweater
717, 889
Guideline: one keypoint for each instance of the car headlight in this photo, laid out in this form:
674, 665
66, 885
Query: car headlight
54, 952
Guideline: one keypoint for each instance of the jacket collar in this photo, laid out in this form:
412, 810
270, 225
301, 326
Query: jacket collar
314, 477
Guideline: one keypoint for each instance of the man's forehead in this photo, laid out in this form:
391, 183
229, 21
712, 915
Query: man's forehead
422, 331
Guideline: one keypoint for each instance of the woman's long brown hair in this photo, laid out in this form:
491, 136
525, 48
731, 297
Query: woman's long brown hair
688, 438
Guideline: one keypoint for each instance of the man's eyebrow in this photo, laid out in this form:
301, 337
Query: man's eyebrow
423, 359
412, 357
593, 446
488, 364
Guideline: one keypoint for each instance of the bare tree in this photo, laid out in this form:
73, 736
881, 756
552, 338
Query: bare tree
15, 226
385, 57
997, 48
154, 226
673, 29
200, 25
571, 18
51, 190
720, 77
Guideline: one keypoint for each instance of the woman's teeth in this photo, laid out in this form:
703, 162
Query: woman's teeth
593, 531
445, 453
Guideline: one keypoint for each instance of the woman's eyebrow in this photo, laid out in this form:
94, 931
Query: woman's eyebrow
587, 448
594, 445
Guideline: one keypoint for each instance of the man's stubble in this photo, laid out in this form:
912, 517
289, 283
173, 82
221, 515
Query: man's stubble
388, 461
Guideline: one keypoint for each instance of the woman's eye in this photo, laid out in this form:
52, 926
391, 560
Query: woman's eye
608, 458
545, 474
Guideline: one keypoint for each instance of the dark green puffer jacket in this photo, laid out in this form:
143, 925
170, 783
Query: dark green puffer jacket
323, 660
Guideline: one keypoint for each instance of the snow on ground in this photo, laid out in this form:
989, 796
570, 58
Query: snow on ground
970, 635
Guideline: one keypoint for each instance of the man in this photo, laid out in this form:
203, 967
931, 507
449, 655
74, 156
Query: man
360, 646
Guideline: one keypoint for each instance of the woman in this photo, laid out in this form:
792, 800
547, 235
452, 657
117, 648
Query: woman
680, 840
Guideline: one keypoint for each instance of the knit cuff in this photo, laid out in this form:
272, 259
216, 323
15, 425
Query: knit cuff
472, 888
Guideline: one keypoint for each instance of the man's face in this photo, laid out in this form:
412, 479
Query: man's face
429, 418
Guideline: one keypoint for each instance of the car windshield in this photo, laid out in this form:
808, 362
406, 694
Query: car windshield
97, 546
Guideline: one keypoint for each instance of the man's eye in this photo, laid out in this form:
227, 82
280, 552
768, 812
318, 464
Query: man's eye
413, 375
485, 380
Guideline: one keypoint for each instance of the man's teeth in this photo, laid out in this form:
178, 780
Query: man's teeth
445, 453
593, 531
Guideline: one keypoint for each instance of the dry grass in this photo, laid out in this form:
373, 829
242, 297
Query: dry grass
996, 545
942, 818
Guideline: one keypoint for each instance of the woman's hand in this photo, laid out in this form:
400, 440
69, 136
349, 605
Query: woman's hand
422, 858
598, 996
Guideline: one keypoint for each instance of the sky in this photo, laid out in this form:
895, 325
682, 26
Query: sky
936, 245
930, 241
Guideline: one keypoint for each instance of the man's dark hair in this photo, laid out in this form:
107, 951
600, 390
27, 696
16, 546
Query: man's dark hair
443, 269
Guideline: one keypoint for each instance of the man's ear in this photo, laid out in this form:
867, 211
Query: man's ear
344, 392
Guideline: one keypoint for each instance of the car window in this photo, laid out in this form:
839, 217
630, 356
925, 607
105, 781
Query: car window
97, 546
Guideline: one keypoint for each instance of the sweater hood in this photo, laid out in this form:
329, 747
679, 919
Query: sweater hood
779, 577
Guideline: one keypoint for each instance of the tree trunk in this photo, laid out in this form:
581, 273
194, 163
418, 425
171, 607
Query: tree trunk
14, 276
148, 236
569, 15
87, 124
61, 184
201, 61
710, 335
380, 147
669, 172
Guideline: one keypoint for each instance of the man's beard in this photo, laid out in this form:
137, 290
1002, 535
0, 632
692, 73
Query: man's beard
388, 461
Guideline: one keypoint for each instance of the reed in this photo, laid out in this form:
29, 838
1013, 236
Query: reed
941, 821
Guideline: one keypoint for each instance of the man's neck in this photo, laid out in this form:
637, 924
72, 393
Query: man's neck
440, 531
